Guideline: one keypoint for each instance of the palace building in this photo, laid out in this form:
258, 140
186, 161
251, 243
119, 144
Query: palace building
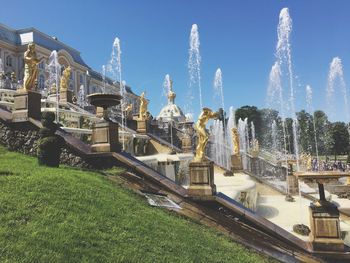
13, 44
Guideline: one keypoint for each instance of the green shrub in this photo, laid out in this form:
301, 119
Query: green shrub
49, 148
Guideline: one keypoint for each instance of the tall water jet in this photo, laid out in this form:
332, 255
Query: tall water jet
252, 131
54, 71
309, 108
194, 62
244, 140
231, 123
166, 85
81, 97
1, 75
274, 137
220, 135
336, 81
284, 61
103, 79
115, 68
275, 99
218, 87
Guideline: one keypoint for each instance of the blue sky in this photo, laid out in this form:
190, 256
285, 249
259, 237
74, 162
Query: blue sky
237, 36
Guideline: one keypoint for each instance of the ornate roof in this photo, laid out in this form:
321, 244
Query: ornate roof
171, 111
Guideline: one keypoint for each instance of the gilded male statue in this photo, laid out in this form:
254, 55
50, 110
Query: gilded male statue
143, 107
202, 133
235, 140
30, 68
65, 79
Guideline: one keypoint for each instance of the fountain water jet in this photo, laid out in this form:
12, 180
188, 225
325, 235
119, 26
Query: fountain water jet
310, 110
336, 79
115, 68
54, 70
194, 62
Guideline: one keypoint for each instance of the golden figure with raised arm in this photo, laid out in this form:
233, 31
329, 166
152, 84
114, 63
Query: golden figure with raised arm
143, 107
65, 79
235, 141
30, 68
202, 133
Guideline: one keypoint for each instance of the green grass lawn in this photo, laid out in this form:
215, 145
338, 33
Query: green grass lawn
67, 215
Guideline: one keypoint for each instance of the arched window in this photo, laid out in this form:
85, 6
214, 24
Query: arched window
9, 61
41, 82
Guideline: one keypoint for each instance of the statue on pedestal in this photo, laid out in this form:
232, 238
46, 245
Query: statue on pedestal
202, 133
143, 107
65, 79
30, 68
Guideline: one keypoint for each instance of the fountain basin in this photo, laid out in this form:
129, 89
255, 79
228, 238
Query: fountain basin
104, 100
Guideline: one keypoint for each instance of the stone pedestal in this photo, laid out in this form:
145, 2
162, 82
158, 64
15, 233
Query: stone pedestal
201, 179
27, 104
66, 96
325, 227
105, 137
292, 184
236, 162
186, 144
255, 165
141, 126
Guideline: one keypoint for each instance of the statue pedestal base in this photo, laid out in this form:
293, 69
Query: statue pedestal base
141, 126
201, 179
27, 104
66, 96
105, 137
186, 144
325, 227
236, 162
292, 184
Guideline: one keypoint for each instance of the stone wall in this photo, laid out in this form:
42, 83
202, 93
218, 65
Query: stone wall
23, 137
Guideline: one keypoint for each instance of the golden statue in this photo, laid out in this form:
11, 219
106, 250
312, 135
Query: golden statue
65, 79
171, 94
309, 162
255, 148
143, 107
202, 133
30, 68
128, 109
13, 76
235, 141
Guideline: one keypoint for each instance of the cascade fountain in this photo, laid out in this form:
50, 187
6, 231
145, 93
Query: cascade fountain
115, 68
194, 62
335, 81
54, 70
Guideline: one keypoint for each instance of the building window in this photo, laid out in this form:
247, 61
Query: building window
9, 61
41, 82
81, 78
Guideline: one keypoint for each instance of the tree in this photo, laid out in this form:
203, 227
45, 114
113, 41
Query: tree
253, 115
306, 131
340, 138
322, 130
